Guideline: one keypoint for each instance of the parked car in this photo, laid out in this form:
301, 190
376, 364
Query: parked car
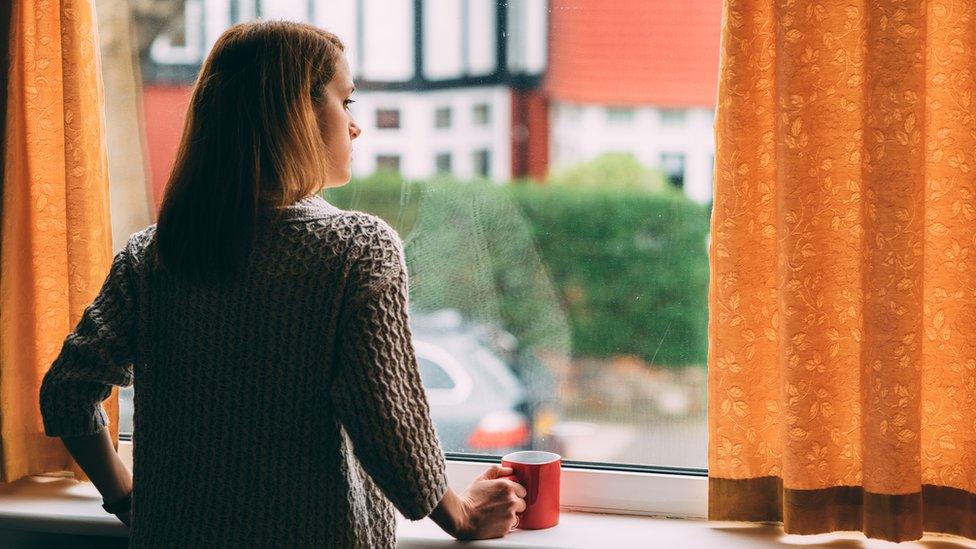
478, 403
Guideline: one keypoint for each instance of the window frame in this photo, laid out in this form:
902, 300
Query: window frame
587, 487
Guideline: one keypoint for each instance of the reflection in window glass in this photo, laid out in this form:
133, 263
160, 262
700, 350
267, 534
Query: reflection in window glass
584, 272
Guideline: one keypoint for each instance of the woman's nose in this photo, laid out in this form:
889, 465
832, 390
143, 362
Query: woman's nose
354, 131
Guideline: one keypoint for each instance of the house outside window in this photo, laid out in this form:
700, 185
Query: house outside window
388, 119
388, 162
443, 162
481, 113
673, 165
482, 162
442, 117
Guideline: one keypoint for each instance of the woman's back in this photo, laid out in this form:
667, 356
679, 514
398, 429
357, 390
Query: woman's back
244, 392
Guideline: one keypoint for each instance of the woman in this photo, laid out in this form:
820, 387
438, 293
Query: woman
277, 396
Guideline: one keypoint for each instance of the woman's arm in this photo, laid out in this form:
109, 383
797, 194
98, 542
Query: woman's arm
97, 457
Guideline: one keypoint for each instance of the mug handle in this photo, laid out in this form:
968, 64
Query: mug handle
518, 516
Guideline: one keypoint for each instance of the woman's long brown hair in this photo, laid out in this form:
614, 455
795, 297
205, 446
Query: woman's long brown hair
250, 144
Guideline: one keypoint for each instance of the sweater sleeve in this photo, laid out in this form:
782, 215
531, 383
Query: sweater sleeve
377, 390
95, 356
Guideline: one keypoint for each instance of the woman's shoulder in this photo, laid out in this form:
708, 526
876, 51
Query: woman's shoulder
374, 246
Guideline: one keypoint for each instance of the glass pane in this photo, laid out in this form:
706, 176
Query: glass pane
557, 252
388, 118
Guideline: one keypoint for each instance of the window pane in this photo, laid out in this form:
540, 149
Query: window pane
443, 161
388, 162
673, 165
388, 118
620, 115
672, 117
482, 114
442, 117
482, 162
554, 214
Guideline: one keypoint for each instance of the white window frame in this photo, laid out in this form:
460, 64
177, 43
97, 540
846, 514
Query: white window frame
593, 490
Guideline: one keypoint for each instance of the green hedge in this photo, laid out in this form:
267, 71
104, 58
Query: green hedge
581, 271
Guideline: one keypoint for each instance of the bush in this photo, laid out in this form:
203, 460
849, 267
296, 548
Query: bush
577, 270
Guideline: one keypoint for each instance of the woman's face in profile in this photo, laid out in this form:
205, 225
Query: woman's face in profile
337, 125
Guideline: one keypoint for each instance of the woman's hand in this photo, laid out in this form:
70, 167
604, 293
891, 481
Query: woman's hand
490, 505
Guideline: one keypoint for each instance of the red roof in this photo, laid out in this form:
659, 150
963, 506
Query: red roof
634, 52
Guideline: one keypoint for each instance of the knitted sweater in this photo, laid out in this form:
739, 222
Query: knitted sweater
283, 409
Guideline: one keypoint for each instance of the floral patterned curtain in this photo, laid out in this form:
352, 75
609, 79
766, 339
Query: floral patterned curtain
842, 362
55, 235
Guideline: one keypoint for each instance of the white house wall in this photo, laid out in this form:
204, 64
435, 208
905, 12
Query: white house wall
442, 39
417, 141
582, 132
481, 37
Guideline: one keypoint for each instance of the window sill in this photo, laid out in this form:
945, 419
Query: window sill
51, 505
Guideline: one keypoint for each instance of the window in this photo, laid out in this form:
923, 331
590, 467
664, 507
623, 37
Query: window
607, 312
672, 117
388, 119
482, 162
442, 117
388, 162
620, 115
673, 165
443, 161
433, 376
481, 114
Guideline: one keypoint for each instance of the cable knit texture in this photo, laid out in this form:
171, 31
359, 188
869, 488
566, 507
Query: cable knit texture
282, 409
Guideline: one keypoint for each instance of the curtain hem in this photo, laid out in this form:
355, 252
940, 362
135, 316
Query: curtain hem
903, 517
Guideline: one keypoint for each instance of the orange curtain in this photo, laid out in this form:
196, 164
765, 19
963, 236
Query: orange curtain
55, 235
842, 322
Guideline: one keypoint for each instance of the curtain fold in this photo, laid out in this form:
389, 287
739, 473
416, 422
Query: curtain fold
55, 234
842, 354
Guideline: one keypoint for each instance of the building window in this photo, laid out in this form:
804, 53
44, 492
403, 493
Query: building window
388, 118
388, 162
482, 162
620, 115
672, 117
571, 112
673, 165
442, 117
482, 114
443, 162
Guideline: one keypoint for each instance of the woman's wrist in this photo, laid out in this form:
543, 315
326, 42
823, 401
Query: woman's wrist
451, 515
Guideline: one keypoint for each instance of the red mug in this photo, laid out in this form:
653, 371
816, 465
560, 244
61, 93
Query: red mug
538, 472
